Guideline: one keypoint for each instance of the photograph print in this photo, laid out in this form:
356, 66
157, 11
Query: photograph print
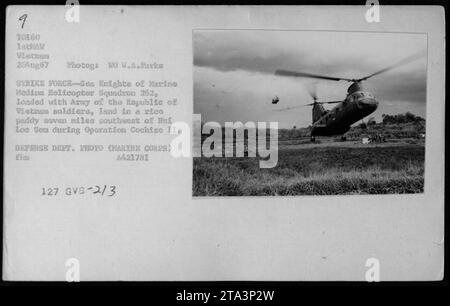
291, 113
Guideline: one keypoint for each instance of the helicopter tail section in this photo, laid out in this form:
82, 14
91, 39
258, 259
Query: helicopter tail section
317, 112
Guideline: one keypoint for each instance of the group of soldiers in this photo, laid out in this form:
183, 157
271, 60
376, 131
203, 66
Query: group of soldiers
377, 138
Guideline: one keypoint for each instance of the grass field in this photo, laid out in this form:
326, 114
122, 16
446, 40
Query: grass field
321, 170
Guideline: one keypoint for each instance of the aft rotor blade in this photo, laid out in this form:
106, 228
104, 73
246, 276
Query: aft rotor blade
329, 102
309, 104
398, 64
309, 75
288, 108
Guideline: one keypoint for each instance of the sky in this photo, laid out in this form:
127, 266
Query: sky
234, 72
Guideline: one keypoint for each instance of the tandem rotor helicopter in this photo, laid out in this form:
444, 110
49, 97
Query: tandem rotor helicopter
357, 105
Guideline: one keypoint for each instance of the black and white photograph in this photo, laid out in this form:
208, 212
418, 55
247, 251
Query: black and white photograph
209, 152
350, 109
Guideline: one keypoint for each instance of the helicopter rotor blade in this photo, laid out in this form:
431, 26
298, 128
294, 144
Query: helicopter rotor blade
404, 61
289, 108
289, 73
398, 64
329, 102
309, 104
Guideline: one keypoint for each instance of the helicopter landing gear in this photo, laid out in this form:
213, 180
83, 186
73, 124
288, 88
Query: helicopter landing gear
363, 125
313, 138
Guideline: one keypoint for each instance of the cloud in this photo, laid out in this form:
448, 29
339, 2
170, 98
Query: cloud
336, 53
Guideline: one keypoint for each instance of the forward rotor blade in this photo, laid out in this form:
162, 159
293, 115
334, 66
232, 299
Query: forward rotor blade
398, 64
310, 75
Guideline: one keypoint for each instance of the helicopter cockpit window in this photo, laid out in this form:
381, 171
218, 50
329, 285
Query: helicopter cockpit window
358, 95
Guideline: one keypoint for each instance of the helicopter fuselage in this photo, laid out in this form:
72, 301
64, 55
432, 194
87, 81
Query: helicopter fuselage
357, 105
337, 121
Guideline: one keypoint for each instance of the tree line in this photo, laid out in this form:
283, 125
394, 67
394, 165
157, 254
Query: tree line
401, 118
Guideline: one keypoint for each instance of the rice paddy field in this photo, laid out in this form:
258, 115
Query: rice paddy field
329, 168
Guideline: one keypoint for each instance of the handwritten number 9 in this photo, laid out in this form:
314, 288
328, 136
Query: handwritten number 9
23, 18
